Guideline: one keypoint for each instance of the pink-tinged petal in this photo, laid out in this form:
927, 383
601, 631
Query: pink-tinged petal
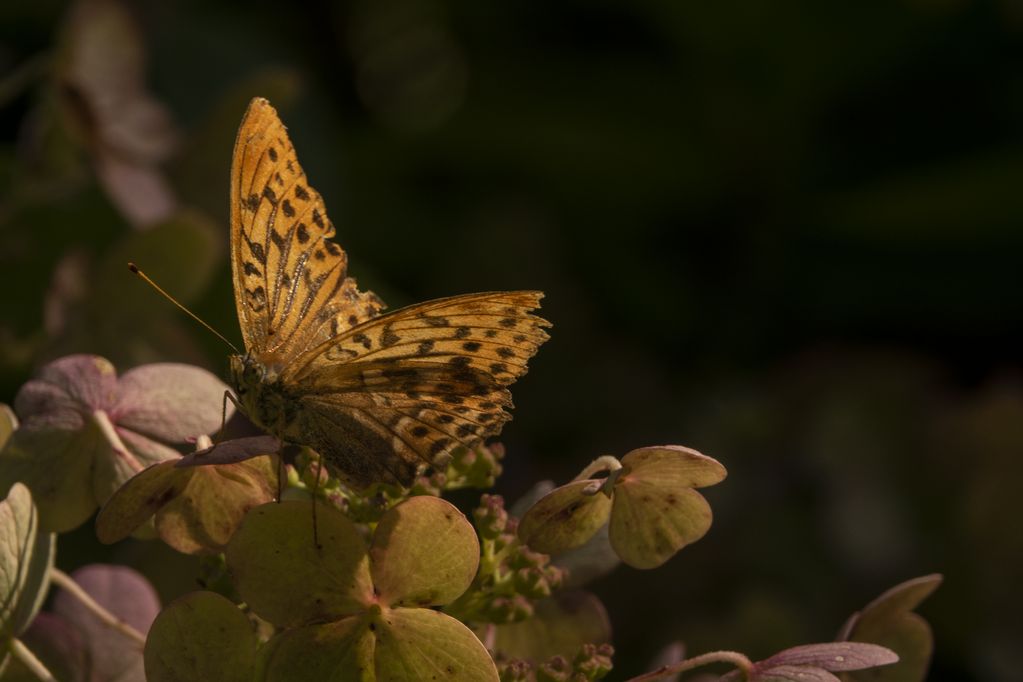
32, 456
232, 451
126, 594
146, 450
127, 454
59, 646
65, 390
832, 656
137, 188
171, 401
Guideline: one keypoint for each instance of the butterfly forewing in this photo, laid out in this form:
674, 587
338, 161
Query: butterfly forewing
377, 395
291, 282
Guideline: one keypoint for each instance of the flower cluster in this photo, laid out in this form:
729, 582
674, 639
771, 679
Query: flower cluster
511, 576
592, 662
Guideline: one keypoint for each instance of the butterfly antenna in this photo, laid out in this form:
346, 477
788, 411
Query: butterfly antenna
145, 278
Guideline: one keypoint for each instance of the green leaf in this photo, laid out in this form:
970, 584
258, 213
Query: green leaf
890, 621
424, 553
201, 636
564, 519
26, 556
656, 512
560, 625
288, 578
341, 651
422, 644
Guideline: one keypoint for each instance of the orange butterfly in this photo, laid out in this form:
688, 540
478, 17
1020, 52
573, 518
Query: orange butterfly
378, 396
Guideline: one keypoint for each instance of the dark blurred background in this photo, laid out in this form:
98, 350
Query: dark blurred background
786, 234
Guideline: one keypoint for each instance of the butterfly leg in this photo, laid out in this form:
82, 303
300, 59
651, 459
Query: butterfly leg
316, 487
223, 412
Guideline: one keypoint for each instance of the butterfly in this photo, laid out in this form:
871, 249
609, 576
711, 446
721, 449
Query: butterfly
378, 396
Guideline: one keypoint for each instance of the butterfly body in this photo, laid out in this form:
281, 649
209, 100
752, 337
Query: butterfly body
262, 396
377, 395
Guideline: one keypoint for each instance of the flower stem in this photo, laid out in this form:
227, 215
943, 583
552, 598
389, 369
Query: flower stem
735, 658
64, 581
29, 660
102, 420
603, 463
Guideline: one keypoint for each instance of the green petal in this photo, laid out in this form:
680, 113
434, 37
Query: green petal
341, 651
204, 517
656, 511
890, 622
674, 466
648, 528
424, 553
138, 499
564, 519
201, 636
34, 456
288, 578
26, 556
422, 644
560, 626
8, 423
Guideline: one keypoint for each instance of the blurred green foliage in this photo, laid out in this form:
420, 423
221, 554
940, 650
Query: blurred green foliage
786, 234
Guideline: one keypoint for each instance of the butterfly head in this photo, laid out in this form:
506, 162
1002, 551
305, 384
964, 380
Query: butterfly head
246, 372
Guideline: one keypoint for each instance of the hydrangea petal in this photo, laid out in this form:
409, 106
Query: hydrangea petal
564, 519
26, 556
288, 577
201, 636
560, 625
423, 644
232, 451
129, 596
341, 651
170, 401
56, 464
75, 383
213, 503
648, 526
673, 466
424, 553
656, 511
890, 621
137, 500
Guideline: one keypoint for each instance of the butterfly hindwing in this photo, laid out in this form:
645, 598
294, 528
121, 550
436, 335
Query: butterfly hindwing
494, 333
431, 377
406, 416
